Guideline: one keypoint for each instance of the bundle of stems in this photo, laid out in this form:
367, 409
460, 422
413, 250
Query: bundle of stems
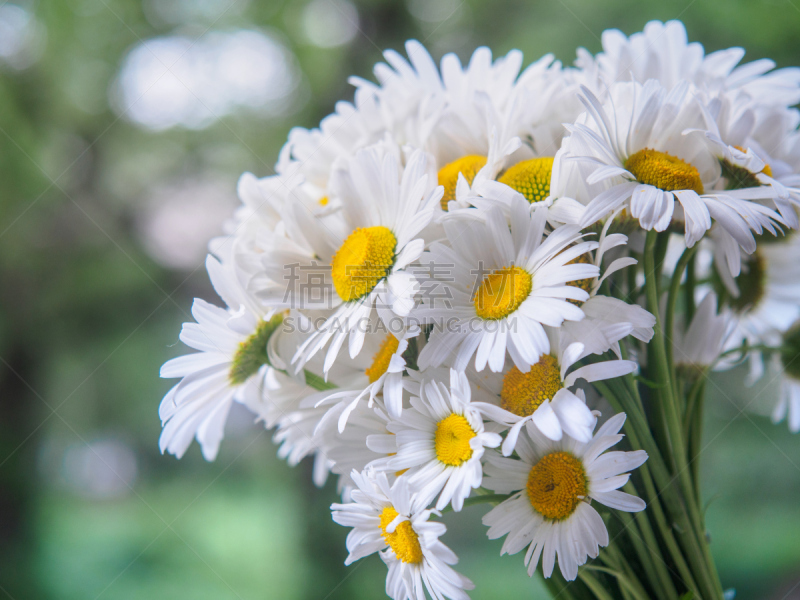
663, 552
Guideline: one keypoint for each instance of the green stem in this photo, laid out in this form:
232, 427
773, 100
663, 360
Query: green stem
317, 382
695, 436
665, 529
640, 532
628, 581
661, 366
690, 530
595, 586
624, 580
691, 278
660, 252
744, 349
667, 492
561, 588
668, 395
695, 542
695, 392
675, 285
632, 288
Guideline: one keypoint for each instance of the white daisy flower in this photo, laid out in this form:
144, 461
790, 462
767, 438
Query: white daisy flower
663, 52
514, 144
233, 363
632, 152
441, 440
392, 521
491, 288
361, 264
553, 484
699, 345
776, 141
296, 439
258, 216
383, 375
730, 123
451, 115
764, 297
478, 142
481, 118
776, 173
310, 155
355, 447
311, 426
545, 393
402, 83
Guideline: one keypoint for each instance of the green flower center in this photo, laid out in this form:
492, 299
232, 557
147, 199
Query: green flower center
252, 353
790, 351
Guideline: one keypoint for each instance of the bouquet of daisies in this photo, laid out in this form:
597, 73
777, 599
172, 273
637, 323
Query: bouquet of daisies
475, 281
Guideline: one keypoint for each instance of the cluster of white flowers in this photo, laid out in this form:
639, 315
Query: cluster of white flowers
469, 233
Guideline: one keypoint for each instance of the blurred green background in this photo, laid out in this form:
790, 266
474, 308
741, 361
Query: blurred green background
114, 172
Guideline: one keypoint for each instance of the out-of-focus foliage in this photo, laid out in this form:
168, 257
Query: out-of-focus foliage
104, 213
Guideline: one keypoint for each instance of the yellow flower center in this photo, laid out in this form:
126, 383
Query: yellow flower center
403, 540
448, 175
502, 292
323, 201
380, 362
523, 393
531, 178
556, 484
664, 171
453, 434
252, 353
366, 257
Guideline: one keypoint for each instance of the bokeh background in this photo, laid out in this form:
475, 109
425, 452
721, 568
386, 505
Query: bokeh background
124, 125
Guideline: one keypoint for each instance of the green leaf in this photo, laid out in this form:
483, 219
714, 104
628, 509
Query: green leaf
317, 382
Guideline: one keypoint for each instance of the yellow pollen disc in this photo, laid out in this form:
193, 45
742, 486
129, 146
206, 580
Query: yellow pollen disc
403, 540
323, 201
468, 166
453, 434
380, 362
502, 292
531, 178
523, 393
556, 484
664, 171
364, 259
